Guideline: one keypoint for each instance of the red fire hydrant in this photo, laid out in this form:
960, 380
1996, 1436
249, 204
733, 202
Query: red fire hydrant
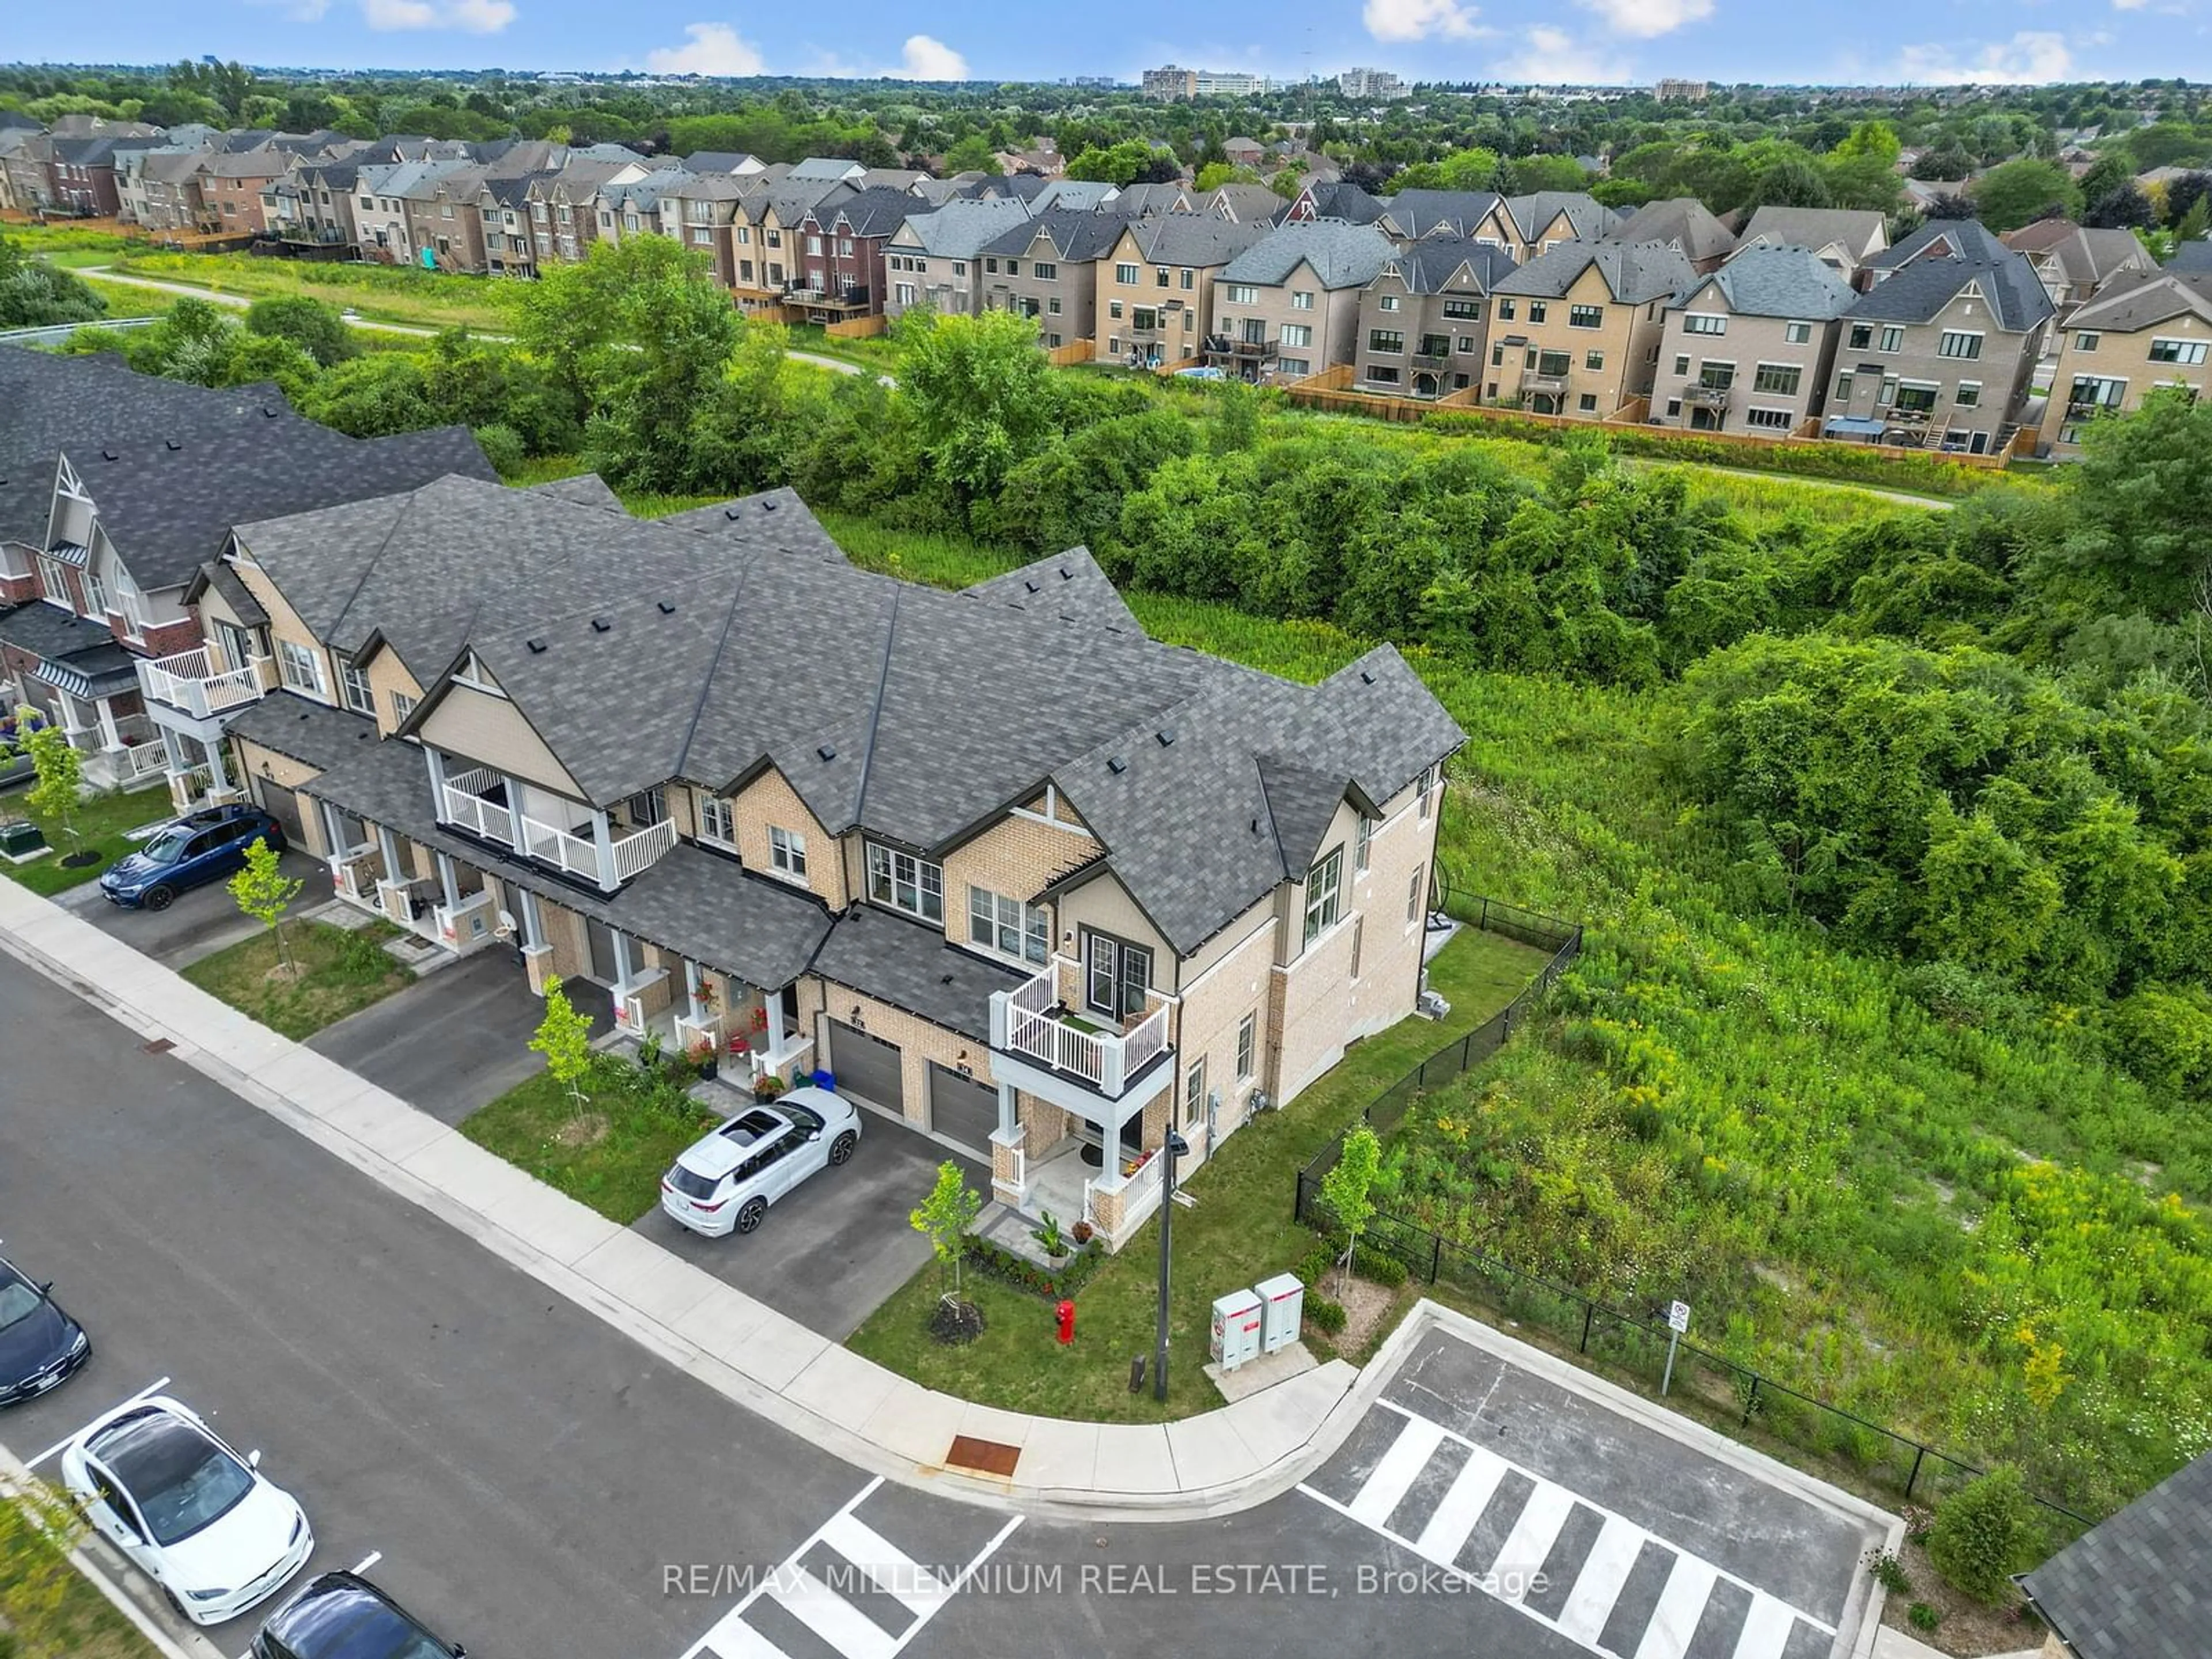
1066, 1313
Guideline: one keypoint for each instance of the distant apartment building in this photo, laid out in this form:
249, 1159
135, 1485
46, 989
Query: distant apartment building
1371, 83
1673, 91
1170, 82
1229, 84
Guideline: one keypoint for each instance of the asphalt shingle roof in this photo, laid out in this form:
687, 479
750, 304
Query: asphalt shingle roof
1766, 280
1917, 291
1586, 216
1856, 230
1077, 237
909, 965
2140, 1585
2137, 299
1339, 255
1681, 222
1436, 263
1428, 212
1633, 271
314, 733
1957, 239
961, 229
1195, 239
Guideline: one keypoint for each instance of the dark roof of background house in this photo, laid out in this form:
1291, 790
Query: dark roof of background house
1426, 212
2137, 299
1855, 228
1917, 291
1339, 255
2138, 1586
1764, 280
2195, 255
1339, 198
1195, 239
874, 212
1633, 271
1681, 222
1586, 216
1960, 238
1077, 236
1428, 265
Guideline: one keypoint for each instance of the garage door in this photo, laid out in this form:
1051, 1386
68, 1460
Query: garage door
963, 1110
281, 805
866, 1065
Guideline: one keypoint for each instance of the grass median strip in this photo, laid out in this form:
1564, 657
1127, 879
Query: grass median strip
48, 1609
607, 1151
335, 972
101, 824
1239, 1230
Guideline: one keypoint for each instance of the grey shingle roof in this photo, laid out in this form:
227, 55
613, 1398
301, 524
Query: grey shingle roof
1083, 195
1247, 203
585, 489
1766, 281
874, 212
1855, 229
2195, 255
1681, 222
1916, 292
1339, 255
1195, 239
1336, 199
1586, 216
960, 229
2140, 1585
909, 965
1960, 238
168, 505
1069, 585
314, 733
1436, 263
1633, 271
1076, 236
832, 168
2137, 299
1425, 212
772, 520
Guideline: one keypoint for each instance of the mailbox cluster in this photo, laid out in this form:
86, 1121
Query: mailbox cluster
1260, 1321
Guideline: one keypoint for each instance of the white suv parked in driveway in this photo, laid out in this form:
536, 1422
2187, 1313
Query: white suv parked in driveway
725, 1181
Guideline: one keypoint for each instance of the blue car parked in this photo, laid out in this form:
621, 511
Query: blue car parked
196, 848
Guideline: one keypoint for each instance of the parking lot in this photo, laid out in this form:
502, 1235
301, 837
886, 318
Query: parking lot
833, 1248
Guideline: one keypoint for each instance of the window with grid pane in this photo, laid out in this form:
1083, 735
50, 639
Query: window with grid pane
906, 883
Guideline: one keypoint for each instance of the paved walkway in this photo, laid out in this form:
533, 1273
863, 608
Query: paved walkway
1219, 1461
240, 301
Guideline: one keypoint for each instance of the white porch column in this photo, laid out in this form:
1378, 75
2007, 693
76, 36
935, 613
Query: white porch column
104, 711
533, 924
332, 837
1010, 1112
692, 987
436, 762
772, 1005
218, 773
447, 882
388, 844
602, 840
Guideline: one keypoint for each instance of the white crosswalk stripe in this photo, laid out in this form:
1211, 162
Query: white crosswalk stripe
1536, 1528
847, 1627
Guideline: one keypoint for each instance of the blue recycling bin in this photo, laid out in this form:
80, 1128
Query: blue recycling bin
826, 1080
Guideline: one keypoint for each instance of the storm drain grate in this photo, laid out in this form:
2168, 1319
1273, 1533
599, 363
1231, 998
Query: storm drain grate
988, 1457
159, 1046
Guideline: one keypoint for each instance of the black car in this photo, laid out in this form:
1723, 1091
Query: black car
40, 1347
341, 1615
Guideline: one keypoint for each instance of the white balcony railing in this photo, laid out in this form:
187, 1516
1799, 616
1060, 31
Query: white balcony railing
634, 852
1024, 1025
190, 682
471, 811
576, 854
142, 760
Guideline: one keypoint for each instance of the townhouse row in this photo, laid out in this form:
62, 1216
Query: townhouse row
1001, 864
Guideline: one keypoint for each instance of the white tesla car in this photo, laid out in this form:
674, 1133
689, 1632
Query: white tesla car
724, 1182
195, 1516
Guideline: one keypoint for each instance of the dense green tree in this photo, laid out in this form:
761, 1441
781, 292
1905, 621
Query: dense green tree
33, 293
981, 397
2136, 507
315, 328
2011, 195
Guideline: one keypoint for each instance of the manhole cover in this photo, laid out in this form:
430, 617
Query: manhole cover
159, 1046
990, 1457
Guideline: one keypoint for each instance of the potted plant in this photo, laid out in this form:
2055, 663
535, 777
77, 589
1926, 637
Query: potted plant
769, 1086
1082, 1232
1051, 1239
703, 1056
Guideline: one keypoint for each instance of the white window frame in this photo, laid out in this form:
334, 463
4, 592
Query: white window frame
53, 586
354, 688
1704, 322
1248, 1046
2183, 346
402, 707
1324, 897
716, 818
1005, 927
297, 663
891, 872
1414, 895
1362, 853
96, 592
786, 852
1193, 1092
1970, 340
1798, 333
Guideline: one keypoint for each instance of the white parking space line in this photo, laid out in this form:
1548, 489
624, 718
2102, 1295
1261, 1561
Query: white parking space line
848, 1630
1596, 1582
367, 1562
146, 1393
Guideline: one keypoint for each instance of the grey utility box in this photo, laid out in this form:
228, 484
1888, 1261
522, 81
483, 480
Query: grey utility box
1235, 1329
1282, 1309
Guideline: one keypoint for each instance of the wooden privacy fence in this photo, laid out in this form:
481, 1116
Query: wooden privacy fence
1075, 351
858, 328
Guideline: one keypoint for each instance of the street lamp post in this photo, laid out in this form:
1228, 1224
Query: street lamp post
1174, 1147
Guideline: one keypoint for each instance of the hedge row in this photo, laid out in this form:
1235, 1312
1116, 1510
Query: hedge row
997, 1262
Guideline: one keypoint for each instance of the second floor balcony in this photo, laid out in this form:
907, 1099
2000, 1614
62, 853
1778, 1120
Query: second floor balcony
564, 836
193, 682
1032, 1026
1703, 394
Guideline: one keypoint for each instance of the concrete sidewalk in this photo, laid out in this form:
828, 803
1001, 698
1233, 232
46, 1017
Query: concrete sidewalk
1222, 1460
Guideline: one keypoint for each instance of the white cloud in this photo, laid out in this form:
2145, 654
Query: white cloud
712, 49
1418, 20
1648, 19
2129, 5
472, 16
924, 57
2030, 56
1553, 56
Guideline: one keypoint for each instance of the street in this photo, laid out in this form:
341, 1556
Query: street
533, 1483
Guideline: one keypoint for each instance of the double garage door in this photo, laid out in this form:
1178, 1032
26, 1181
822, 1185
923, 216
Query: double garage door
960, 1108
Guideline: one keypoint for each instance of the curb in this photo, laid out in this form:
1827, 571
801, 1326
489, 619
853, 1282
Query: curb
15, 1477
1286, 1451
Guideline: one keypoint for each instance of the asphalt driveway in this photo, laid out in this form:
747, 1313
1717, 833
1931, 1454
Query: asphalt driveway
202, 921
455, 1039
832, 1251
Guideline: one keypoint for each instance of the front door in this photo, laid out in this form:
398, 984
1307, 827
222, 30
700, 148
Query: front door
602, 941
1117, 975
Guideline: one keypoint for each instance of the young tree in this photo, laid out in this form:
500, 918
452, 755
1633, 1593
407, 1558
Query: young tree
60, 771
1348, 1189
980, 395
944, 1217
315, 328
264, 892
564, 1037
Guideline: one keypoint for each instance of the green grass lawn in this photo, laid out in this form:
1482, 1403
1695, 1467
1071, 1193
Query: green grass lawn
1241, 1230
609, 1153
338, 973
100, 821
49, 1610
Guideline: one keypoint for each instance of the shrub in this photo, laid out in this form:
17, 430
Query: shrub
1921, 1616
1325, 1315
1003, 1265
1982, 1535
1889, 1573
1380, 1266
503, 446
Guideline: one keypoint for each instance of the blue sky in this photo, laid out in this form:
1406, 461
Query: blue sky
1937, 40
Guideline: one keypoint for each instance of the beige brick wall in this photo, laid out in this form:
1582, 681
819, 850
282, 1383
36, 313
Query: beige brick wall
919, 1042
1105, 905
252, 760
1014, 858
284, 622
388, 674
1206, 1023
769, 802
564, 934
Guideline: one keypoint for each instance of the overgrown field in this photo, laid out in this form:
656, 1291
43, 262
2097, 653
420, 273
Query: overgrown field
392, 293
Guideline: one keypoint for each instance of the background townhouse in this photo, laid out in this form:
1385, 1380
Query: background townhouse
697, 209
502, 208
2073, 262
1475, 216
1683, 223
1845, 239
1748, 348
843, 243
234, 183
1289, 305
1043, 941
443, 225
381, 211
1245, 204
765, 227
1333, 199
24, 157
1423, 328
936, 258
1545, 219
118, 492
84, 174
1047, 268
1155, 285
159, 189
1940, 351
2145, 329
326, 203
1576, 331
